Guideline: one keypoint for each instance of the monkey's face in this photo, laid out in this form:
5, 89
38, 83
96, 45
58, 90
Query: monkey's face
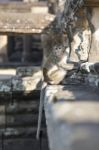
54, 45
51, 40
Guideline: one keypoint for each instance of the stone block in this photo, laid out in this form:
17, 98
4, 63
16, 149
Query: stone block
26, 84
72, 117
21, 107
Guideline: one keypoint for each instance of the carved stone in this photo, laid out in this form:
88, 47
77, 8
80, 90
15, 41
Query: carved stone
81, 43
25, 79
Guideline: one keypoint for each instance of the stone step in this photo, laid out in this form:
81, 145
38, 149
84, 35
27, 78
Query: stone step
23, 132
19, 108
6, 98
24, 96
26, 81
22, 120
22, 107
19, 120
24, 144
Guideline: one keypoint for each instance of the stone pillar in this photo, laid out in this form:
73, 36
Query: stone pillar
27, 46
3, 48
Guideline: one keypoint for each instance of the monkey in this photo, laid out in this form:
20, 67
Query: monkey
56, 52
54, 66
55, 46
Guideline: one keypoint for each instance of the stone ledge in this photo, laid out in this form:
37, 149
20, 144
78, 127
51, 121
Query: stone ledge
28, 71
26, 79
24, 23
26, 84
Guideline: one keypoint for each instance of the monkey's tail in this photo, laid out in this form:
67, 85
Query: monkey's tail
42, 94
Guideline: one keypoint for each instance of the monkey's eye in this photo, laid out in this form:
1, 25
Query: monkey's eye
60, 47
55, 47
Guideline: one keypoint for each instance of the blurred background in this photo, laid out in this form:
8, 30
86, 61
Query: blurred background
21, 48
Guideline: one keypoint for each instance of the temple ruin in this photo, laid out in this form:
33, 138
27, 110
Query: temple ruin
55, 42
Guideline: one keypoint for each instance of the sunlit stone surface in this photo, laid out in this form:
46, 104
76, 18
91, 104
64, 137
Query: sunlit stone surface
26, 84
